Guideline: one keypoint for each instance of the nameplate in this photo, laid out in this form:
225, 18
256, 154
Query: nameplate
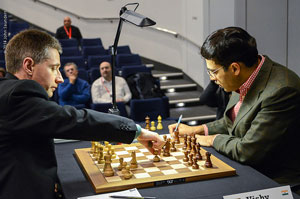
283, 192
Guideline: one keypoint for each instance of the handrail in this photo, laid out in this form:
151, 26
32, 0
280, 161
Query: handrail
112, 19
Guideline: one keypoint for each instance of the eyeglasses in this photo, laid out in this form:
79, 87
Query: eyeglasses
212, 73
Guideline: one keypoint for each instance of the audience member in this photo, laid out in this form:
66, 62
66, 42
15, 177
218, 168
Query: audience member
29, 121
73, 91
102, 87
2, 72
215, 96
68, 31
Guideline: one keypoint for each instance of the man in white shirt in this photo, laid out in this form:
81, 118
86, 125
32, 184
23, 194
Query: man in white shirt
102, 87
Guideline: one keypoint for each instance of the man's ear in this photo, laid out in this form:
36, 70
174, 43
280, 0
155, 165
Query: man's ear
28, 65
235, 68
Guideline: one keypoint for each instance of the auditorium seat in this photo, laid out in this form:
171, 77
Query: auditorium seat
91, 42
14, 27
68, 43
129, 70
93, 50
78, 60
83, 74
127, 59
122, 49
94, 73
71, 51
95, 61
152, 107
103, 107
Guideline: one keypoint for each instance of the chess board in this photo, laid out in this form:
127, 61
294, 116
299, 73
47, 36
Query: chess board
169, 170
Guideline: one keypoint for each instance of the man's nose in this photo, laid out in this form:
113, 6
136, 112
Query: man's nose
59, 79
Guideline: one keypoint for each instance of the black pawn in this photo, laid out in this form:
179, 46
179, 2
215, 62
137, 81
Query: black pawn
208, 163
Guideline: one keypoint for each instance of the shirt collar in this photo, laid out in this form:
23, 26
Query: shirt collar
243, 90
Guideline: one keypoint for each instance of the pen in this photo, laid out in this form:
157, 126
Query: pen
178, 123
132, 197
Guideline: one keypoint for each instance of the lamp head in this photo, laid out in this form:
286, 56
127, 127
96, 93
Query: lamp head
135, 18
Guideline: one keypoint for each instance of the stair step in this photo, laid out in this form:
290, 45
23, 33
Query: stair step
180, 83
193, 113
183, 97
160, 74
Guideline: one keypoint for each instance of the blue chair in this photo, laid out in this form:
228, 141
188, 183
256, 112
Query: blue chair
71, 51
122, 49
103, 107
91, 42
68, 43
15, 27
152, 107
129, 70
78, 60
83, 74
94, 73
93, 50
2, 55
127, 60
95, 61
2, 64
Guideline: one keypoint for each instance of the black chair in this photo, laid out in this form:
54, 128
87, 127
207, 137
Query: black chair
93, 50
2, 55
103, 107
127, 60
83, 74
15, 27
91, 42
152, 107
68, 43
94, 73
71, 51
78, 60
129, 70
95, 61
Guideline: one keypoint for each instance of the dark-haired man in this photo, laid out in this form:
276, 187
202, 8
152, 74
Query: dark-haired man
261, 123
29, 121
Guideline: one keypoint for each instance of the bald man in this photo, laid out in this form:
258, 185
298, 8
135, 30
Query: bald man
102, 87
67, 31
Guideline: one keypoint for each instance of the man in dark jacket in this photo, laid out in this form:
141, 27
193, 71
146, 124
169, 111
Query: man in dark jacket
67, 31
29, 121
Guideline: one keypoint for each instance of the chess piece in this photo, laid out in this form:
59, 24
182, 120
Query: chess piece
159, 123
194, 150
195, 165
100, 157
167, 148
113, 154
152, 128
121, 160
124, 167
156, 158
147, 123
127, 174
109, 148
190, 162
173, 149
185, 142
186, 158
108, 170
92, 147
105, 146
208, 163
133, 162
189, 143
176, 137
95, 153
198, 154
165, 138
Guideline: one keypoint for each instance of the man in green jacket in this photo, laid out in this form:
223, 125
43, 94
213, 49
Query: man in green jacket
260, 126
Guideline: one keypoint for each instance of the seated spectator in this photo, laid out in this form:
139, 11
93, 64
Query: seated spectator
102, 87
73, 91
215, 96
2, 72
67, 31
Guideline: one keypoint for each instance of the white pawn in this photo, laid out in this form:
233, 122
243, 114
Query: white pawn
159, 124
152, 128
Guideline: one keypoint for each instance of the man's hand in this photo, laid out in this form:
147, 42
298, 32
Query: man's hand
185, 129
72, 79
151, 140
206, 140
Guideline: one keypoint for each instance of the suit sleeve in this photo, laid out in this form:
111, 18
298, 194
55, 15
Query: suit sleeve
274, 116
34, 115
